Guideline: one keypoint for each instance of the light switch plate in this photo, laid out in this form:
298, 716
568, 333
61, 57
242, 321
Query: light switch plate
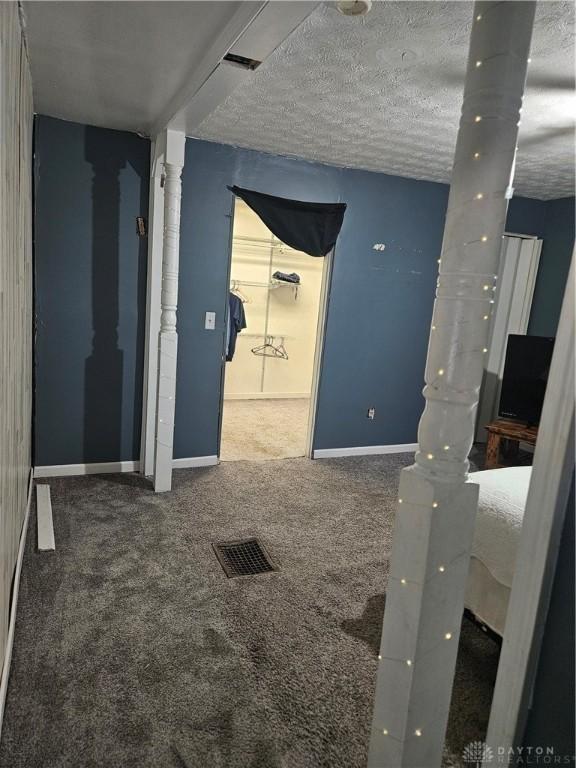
210, 322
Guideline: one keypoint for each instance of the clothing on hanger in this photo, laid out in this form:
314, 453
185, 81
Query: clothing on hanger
234, 289
293, 277
235, 322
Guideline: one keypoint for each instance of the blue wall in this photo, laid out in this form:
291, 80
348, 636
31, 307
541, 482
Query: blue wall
558, 235
91, 183
550, 720
90, 288
380, 301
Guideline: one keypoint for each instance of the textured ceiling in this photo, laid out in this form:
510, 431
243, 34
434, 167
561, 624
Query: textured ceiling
383, 92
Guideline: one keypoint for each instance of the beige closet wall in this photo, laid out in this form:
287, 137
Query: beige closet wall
292, 315
16, 118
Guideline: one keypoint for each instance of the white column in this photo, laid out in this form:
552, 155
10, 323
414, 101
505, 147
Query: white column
436, 507
168, 338
153, 288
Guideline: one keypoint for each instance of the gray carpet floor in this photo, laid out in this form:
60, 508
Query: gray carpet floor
258, 430
133, 649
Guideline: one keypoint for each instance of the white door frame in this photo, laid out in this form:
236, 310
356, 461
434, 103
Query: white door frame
539, 542
327, 266
327, 269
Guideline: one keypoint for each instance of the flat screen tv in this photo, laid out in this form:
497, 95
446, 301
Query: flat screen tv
525, 377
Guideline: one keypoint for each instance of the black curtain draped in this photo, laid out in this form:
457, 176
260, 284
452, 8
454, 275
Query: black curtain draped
309, 227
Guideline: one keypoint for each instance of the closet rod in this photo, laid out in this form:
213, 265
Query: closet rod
243, 335
272, 284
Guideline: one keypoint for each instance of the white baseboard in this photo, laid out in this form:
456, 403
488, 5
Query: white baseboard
14, 606
268, 396
107, 467
366, 450
195, 461
44, 521
65, 470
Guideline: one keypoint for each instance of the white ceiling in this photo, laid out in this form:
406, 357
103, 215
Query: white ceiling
117, 64
383, 92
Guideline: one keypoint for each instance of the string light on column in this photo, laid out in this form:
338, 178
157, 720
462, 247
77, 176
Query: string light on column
470, 258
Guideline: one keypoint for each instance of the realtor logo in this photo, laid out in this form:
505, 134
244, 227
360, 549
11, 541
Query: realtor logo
476, 753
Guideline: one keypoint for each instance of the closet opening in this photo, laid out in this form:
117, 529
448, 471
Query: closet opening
272, 346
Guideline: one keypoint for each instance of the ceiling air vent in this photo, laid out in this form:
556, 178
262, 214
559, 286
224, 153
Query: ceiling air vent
242, 61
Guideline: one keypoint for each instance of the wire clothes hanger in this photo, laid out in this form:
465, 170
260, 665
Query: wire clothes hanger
234, 289
269, 349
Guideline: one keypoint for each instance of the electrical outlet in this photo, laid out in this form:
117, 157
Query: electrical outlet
371, 413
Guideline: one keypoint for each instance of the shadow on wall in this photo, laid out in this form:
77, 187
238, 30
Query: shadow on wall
104, 368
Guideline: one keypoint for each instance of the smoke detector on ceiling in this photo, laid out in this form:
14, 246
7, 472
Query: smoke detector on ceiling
354, 7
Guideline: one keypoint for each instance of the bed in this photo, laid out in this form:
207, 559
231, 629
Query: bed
501, 506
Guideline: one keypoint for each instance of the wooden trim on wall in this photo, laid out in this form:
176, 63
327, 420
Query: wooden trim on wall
14, 605
16, 305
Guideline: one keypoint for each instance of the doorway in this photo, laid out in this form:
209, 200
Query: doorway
519, 259
271, 365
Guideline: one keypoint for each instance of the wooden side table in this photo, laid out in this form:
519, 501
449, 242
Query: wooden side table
505, 436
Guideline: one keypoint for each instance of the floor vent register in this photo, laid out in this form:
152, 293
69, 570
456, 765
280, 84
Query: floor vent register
246, 557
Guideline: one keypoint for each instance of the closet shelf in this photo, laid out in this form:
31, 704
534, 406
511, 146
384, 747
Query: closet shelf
257, 244
270, 285
267, 241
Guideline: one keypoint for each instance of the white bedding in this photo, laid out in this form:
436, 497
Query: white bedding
501, 506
